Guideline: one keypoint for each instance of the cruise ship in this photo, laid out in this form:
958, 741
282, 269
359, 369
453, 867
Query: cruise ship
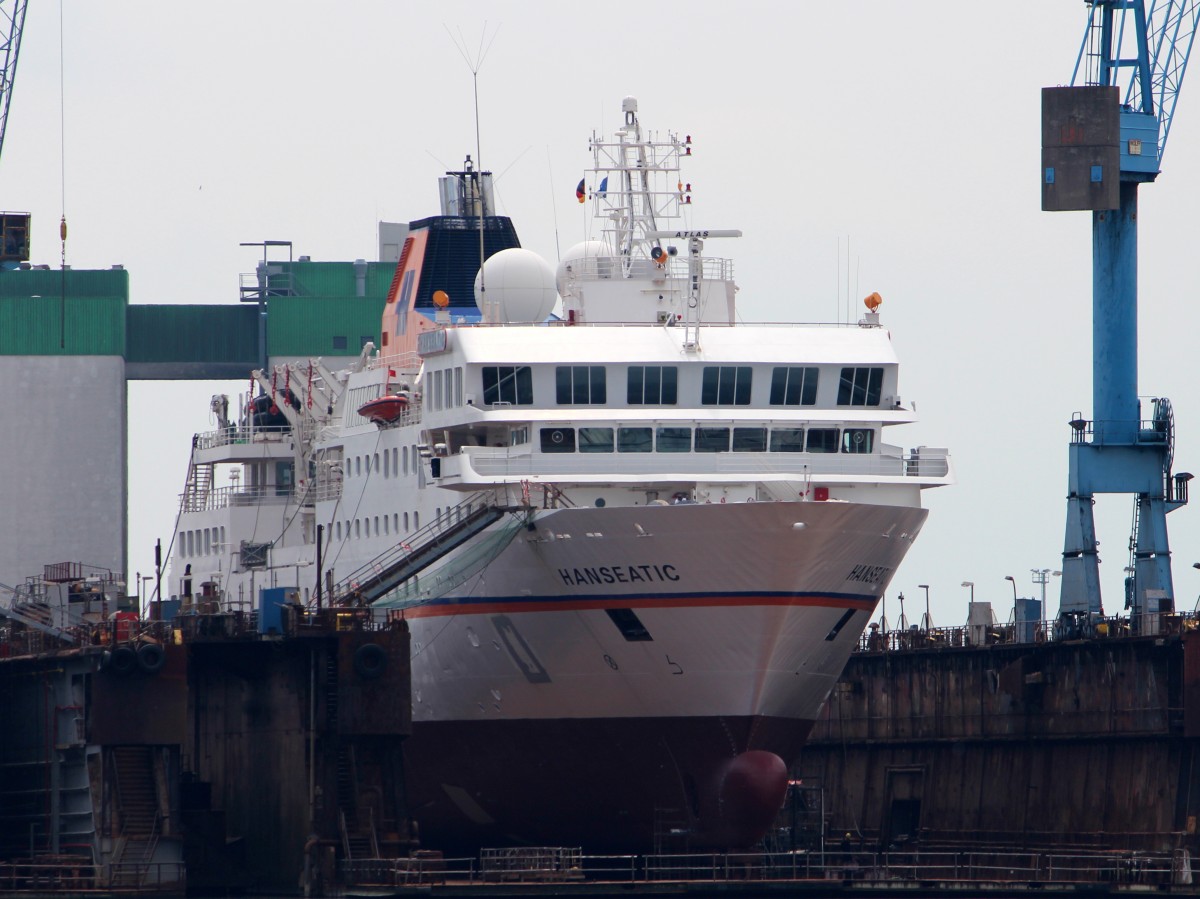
635, 538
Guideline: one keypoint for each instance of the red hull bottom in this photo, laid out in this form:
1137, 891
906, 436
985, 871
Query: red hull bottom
608, 784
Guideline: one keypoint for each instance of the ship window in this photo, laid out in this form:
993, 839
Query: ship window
595, 440
580, 385
222, 546
794, 386
191, 544
376, 525
518, 436
458, 386
386, 529
822, 440
338, 531
512, 385
396, 460
787, 440
629, 624
377, 463
406, 521
860, 386
339, 342
857, 440
558, 440
725, 385
207, 541
749, 440
653, 385
712, 440
357, 528
366, 527
416, 521
358, 466
387, 464
673, 440
396, 522
635, 440
405, 460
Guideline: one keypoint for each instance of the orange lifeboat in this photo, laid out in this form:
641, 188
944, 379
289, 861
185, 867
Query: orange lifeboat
385, 409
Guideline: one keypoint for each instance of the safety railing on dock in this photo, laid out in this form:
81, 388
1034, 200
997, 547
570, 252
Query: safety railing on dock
881, 638
541, 865
68, 875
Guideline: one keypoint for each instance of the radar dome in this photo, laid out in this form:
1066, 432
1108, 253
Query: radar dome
520, 286
588, 249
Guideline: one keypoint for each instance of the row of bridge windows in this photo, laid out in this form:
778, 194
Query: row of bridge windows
658, 385
707, 440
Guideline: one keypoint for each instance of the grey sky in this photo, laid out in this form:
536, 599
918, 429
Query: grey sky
912, 130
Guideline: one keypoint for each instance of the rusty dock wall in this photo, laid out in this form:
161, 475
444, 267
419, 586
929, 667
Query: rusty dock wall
1074, 743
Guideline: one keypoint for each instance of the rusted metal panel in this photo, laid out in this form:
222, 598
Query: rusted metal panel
1036, 744
131, 705
1191, 684
374, 691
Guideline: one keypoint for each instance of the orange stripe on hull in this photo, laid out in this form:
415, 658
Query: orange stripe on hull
621, 602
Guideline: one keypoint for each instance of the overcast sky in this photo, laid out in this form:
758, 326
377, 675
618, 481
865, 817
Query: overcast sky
910, 130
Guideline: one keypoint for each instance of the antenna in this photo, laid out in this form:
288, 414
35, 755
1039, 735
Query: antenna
475, 65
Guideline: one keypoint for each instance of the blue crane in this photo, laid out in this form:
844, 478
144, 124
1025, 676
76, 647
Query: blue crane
12, 23
1099, 144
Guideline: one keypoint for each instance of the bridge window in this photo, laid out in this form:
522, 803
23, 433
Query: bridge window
635, 440
787, 440
673, 440
857, 440
510, 384
580, 385
595, 440
794, 386
822, 440
725, 385
749, 440
558, 440
652, 385
712, 440
860, 386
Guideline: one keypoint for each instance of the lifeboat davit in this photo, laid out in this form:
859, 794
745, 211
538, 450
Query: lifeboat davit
385, 409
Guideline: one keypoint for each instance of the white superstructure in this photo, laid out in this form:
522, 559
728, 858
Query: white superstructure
689, 522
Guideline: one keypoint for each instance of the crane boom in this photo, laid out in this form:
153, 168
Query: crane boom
12, 23
1161, 41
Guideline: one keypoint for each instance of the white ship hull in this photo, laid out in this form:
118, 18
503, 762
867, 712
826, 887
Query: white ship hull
745, 615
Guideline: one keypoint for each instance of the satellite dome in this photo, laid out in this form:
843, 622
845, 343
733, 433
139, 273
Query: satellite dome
520, 286
588, 249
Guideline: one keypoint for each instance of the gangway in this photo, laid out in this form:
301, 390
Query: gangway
418, 551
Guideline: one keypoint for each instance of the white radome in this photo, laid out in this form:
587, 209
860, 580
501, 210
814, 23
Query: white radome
520, 286
588, 249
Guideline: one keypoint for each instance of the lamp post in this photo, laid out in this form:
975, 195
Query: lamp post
1012, 580
928, 621
970, 584
1042, 576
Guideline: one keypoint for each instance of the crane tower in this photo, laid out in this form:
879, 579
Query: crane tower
1102, 138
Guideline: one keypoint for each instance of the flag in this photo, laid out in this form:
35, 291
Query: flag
603, 191
579, 195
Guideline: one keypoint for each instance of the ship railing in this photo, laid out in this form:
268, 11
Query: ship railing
404, 364
611, 268
501, 462
971, 867
237, 434
226, 497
